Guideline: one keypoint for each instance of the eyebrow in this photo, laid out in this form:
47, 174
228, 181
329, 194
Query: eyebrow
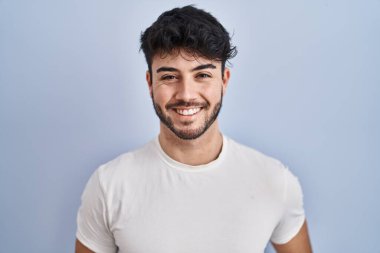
204, 66
168, 69
200, 67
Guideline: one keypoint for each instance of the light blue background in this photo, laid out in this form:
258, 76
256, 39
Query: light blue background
304, 89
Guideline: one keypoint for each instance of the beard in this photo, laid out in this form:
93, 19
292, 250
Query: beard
188, 134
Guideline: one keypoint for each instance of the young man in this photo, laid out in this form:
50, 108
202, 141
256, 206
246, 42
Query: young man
191, 190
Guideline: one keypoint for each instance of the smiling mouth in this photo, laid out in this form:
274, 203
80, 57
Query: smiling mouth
188, 112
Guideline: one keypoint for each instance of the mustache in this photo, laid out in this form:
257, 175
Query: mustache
182, 103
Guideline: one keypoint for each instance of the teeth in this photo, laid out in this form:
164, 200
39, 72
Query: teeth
188, 112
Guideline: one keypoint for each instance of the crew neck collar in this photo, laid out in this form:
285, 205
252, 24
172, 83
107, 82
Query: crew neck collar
192, 168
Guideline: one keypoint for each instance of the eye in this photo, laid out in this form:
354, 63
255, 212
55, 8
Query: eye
168, 77
203, 75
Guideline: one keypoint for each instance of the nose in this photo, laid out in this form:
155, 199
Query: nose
186, 90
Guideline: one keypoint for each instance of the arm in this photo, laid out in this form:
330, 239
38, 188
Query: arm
298, 244
93, 231
80, 248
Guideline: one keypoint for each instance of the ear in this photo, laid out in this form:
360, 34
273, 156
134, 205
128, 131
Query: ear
149, 82
226, 79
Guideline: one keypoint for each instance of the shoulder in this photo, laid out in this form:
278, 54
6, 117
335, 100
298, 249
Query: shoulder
126, 167
255, 158
263, 169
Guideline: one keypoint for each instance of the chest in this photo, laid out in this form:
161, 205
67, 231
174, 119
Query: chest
196, 219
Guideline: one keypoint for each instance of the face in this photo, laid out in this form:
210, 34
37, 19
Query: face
187, 93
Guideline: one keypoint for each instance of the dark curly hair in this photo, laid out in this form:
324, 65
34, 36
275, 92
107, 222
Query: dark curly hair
191, 29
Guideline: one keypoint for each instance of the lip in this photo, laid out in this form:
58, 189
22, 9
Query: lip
186, 111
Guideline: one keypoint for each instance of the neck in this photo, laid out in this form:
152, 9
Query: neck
202, 150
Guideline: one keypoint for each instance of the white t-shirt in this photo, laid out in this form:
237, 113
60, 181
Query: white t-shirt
146, 202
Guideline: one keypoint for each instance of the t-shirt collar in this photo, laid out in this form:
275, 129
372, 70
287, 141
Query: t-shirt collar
191, 168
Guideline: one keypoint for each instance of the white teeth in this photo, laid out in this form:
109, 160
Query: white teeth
188, 111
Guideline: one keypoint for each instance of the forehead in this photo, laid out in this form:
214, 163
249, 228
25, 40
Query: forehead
181, 60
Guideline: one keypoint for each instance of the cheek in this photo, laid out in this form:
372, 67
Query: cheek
161, 94
213, 95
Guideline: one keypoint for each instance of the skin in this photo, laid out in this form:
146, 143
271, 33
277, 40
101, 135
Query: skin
178, 78
298, 244
182, 82
80, 248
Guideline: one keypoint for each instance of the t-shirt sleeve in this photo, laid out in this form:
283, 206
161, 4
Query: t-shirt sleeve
293, 215
92, 223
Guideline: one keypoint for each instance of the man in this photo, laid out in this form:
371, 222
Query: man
191, 190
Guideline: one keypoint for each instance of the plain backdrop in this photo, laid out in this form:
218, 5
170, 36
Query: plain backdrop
305, 89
